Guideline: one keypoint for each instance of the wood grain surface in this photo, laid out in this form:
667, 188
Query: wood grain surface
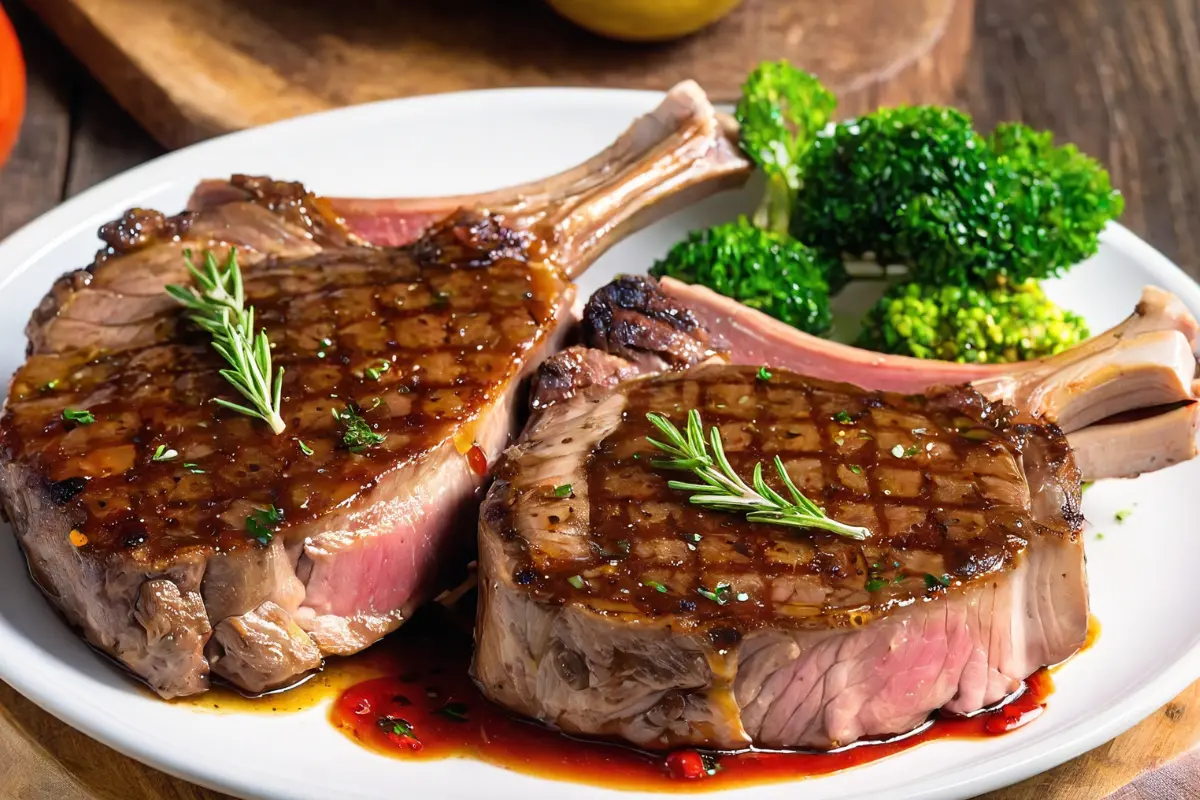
189, 69
1120, 78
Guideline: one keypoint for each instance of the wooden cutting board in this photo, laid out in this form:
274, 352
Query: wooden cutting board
191, 69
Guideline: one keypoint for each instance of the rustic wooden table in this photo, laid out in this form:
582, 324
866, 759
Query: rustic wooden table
1120, 78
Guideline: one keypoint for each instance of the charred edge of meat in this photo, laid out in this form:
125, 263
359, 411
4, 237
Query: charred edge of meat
574, 370
632, 318
469, 239
297, 205
630, 328
137, 229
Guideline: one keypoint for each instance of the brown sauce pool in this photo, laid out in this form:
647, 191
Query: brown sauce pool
410, 697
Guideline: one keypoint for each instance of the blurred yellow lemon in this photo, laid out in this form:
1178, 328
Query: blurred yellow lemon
643, 20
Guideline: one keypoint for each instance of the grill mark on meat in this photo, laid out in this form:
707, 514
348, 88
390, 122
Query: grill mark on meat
465, 343
960, 437
810, 658
162, 567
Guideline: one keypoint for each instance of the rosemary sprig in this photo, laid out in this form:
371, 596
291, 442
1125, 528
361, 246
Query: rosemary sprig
219, 308
723, 490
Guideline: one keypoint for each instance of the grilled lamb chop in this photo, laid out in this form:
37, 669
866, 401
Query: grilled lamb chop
152, 558
615, 608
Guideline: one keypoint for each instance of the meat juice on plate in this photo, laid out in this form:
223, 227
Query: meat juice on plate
411, 697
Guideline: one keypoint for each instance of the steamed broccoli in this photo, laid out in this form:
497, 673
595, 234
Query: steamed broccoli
919, 186
780, 113
768, 271
758, 263
996, 325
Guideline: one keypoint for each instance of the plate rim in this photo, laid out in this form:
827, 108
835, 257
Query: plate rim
47, 232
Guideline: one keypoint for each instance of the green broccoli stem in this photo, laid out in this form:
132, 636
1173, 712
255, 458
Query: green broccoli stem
774, 211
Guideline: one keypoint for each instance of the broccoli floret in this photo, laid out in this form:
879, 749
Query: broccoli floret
759, 263
998, 325
771, 272
781, 111
918, 186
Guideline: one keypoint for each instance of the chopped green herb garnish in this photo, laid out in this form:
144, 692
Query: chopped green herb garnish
261, 523
78, 415
656, 586
764, 374
193, 468
933, 581
576, 581
456, 712
875, 584
1123, 514
562, 491
844, 417
900, 451
400, 727
1099, 535
855, 468
48, 386
356, 431
164, 453
693, 537
719, 594
374, 373
304, 448
620, 552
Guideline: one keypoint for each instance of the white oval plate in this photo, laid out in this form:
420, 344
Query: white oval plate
1142, 573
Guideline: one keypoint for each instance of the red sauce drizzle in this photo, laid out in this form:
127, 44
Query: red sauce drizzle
477, 460
425, 706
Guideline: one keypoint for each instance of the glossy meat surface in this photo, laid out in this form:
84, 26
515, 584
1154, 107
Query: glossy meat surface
154, 559
951, 487
611, 607
419, 339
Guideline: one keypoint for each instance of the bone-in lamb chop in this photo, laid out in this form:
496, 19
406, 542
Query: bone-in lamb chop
136, 525
611, 606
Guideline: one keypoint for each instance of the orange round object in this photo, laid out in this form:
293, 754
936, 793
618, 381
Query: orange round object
12, 87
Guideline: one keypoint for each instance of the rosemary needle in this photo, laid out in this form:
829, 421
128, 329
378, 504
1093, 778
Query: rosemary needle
723, 490
219, 308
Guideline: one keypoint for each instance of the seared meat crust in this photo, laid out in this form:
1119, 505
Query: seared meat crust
418, 347
616, 608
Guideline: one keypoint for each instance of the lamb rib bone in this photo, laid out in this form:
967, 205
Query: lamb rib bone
594, 616
622, 610
689, 154
1141, 369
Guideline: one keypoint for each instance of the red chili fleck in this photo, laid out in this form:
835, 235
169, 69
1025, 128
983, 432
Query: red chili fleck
1012, 717
477, 461
686, 765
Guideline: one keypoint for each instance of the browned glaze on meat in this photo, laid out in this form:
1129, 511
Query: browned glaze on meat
440, 324
939, 482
